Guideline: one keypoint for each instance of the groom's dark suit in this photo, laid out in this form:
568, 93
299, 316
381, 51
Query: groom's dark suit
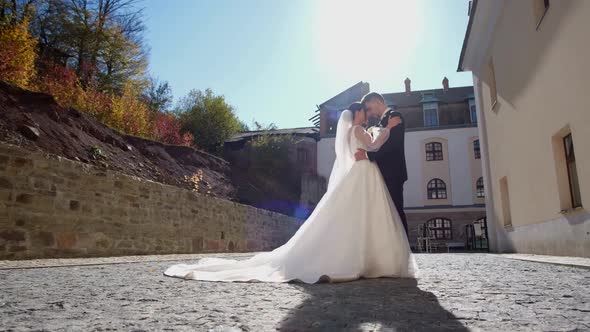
391, 159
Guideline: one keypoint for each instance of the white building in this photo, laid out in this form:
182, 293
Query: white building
442, 155
530, 71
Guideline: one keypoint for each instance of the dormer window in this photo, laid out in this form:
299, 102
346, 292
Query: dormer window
430, 114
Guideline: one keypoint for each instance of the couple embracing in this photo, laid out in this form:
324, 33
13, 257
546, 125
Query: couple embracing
357, 230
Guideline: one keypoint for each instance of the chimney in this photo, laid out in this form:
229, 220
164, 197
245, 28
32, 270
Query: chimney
445, 83
407, 82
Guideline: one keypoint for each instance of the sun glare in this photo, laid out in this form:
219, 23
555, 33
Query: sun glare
359, 39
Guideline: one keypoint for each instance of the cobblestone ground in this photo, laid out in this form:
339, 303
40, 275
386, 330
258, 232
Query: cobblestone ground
455, 292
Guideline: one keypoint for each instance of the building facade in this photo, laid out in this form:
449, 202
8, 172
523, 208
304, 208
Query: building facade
296, 193
302, 155
444, 190
531, 79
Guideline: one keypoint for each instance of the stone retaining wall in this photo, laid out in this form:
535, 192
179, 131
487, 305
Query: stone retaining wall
54, 207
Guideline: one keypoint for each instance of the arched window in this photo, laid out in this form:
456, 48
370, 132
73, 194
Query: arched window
434, 151
476, 150
440, 228
437, 189
479, 188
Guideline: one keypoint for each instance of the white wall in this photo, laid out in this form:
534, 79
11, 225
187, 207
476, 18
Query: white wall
459, 154
542, 79
461, 188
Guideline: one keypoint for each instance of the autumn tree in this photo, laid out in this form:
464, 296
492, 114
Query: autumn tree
91, 55
18, 51
17, 54
168, 129
129, 113
209, 118
13, 12
101, 39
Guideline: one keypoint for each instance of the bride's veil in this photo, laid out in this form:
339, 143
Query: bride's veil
344, 158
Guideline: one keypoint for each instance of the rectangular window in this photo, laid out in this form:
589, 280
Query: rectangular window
476, 149
540, 8
434, 151
492, 83
479, 188
430, 115
570, 159
440, 228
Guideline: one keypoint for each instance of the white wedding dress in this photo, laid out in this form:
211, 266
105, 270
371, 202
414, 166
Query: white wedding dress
354, 231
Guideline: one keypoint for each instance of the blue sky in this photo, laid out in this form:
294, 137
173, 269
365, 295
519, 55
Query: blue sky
274, 60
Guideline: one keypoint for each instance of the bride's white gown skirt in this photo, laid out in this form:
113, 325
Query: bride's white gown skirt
355, 231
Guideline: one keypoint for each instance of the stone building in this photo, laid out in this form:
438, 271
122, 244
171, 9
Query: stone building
302, 155
529, 61
445, 186
303, 159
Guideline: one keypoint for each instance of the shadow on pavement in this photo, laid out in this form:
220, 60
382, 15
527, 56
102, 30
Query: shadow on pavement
364, 305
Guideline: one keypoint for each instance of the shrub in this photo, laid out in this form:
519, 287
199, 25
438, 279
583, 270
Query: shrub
167, 129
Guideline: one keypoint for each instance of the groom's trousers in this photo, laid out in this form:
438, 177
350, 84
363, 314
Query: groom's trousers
397, 195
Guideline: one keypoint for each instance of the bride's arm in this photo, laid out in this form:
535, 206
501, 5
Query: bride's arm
372, 144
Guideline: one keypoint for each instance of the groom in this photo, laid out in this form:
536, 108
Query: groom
391, 157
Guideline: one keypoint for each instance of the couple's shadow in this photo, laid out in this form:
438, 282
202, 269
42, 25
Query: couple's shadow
364, 305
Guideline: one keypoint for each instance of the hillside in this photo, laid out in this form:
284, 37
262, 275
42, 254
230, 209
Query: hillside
35, 121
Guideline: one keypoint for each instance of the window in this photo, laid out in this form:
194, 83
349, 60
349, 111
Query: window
492, 83
434, 151
437, 189
570, 159
431, 114
472, 111
440, 228
540, 8
476, 149
479, 189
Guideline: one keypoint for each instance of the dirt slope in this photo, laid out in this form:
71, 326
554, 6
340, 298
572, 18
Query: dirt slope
35, 121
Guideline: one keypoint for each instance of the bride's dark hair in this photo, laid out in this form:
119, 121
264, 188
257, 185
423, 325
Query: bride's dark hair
356, 107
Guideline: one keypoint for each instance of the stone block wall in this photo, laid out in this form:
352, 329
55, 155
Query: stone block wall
54, 207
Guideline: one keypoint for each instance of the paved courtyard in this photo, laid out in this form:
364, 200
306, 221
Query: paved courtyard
455, 292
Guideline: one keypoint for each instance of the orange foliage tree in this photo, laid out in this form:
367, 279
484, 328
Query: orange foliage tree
92, 57
167, 129
62, 83
17, 53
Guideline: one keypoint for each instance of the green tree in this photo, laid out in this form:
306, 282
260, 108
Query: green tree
209, 118
159, 96
122, 63
270, 155
243, 127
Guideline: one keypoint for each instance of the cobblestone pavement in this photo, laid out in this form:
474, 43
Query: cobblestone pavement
455, 292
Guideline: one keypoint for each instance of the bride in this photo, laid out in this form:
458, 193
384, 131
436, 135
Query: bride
354, 232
